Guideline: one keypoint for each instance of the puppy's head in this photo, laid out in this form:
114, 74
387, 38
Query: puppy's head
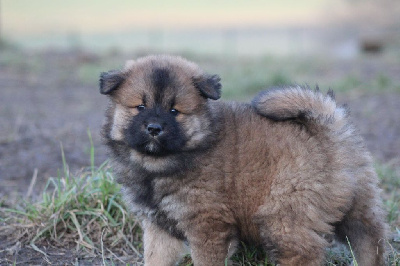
159, 106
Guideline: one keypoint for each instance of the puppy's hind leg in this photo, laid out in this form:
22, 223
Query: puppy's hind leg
297, 246
364, 230
160, 248
294, 243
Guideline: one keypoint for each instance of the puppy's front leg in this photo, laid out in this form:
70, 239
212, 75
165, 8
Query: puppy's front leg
212, 245
160, 248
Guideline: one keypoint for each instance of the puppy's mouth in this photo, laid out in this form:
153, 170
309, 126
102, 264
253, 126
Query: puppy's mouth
153, 147
155, 139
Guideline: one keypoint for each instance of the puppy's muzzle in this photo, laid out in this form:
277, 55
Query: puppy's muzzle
154, 129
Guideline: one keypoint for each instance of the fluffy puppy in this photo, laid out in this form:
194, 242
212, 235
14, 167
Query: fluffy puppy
280, 172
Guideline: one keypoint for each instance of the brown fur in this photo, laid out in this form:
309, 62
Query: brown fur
172, 249
281, 172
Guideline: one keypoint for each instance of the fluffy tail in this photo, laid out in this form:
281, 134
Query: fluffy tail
301, 104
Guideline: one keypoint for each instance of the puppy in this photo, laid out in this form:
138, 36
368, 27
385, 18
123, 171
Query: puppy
280, 172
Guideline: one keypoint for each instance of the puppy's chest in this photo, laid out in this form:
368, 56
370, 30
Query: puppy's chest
155, 200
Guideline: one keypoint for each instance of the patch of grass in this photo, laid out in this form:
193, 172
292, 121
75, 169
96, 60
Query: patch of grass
338, 256
242, 78
379, 83
14, 59
390, 183
85, 211
394, 249
6, 44
246, 255
351, 82
251, 256
89, 72
383, 81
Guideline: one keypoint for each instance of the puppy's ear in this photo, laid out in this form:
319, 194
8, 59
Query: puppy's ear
208, 85
110, 81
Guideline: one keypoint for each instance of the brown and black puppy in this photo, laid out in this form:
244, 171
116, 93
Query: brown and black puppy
280, 172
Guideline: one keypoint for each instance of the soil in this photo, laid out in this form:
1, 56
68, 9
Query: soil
40, 109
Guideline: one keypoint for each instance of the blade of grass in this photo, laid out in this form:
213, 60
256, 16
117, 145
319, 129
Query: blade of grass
38, 235
92, 167
351, 251
79, 230
102, 247
64, 162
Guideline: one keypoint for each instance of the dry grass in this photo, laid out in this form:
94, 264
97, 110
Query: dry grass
84, 212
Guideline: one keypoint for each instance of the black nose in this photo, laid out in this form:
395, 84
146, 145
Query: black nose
154, 129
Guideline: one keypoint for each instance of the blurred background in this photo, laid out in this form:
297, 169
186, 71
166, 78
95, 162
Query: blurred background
204, 27
51, 54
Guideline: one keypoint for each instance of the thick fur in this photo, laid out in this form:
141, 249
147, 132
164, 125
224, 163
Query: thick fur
280, 172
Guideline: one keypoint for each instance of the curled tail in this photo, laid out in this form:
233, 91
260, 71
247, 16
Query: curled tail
301, 104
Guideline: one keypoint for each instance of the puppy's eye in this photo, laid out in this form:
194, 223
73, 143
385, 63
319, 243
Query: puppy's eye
174, 112
140, 107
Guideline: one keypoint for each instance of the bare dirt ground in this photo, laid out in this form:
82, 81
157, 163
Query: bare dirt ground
42, 107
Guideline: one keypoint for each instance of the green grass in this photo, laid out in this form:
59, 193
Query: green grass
242, 76
85, 211
390, 183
